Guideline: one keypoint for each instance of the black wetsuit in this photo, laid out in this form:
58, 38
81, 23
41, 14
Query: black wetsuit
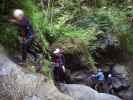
59, 62
27, 35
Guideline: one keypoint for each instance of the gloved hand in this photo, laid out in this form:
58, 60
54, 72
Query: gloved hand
64, 69
12, 20
25, 40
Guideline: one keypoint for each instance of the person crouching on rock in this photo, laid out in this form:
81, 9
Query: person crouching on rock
59, 66
26, 36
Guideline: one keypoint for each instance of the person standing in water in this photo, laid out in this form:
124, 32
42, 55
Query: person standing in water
27, 34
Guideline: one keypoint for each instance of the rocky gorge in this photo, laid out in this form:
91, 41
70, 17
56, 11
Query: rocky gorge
18, 84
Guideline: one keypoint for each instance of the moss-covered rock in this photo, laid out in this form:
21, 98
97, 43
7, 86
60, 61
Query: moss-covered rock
76, 53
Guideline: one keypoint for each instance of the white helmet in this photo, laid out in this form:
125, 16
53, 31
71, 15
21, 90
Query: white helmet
18, 13
109, 75
100, 70
57, 51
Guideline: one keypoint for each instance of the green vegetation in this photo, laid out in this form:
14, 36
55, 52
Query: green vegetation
83, 19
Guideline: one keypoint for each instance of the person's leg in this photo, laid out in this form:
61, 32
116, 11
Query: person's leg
33, 53
30, 50
100, 86
24, 51
56, 75
97, 87
61, 75
105, 87
67, 77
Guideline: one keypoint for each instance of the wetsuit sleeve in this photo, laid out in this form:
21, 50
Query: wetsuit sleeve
29, 29
63, 60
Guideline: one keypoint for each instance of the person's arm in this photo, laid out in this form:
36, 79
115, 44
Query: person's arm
64, 69
63, 62
29, 29
12, 20
97, 75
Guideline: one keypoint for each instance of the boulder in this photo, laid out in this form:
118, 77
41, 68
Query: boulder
82, 77
120, 77
107, 49
81, 92
121, 69
126, 95
17, 83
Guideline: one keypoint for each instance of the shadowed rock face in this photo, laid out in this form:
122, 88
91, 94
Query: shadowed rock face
16, 84
76, 54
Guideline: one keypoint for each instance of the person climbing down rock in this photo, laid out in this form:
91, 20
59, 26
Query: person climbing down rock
59, 70
100, 80
27, 35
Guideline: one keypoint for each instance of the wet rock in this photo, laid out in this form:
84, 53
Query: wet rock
127, 94
82, 77
32, 98
120, 77
122, 82
81, 92
16, 84
121, 69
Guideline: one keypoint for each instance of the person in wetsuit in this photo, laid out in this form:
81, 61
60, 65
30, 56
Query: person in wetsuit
59, 70
27, 34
